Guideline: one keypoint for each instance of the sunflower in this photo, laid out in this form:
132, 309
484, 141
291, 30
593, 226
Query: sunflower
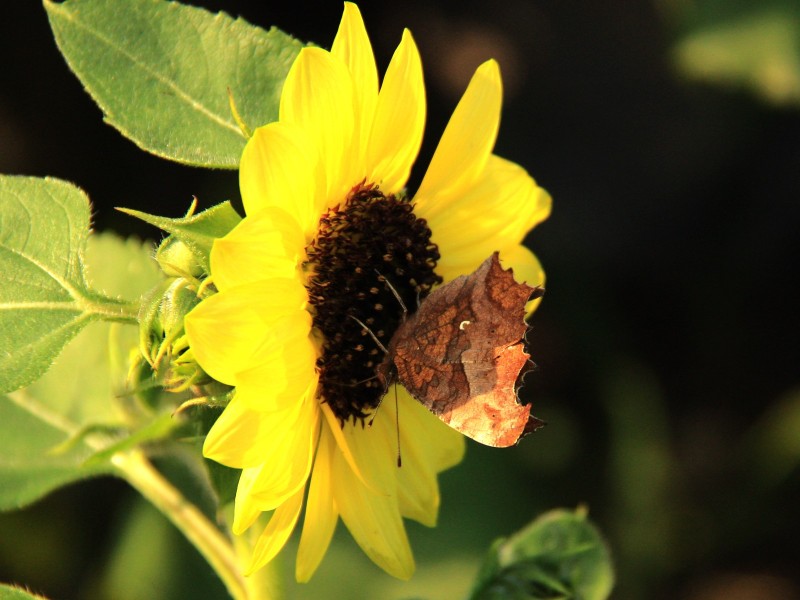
329, 231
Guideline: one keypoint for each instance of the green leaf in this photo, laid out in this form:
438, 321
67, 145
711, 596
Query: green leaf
161, 71
8, 592
92, 370
44, 297
750, 45
771, 451
147, 548
28, 469
119, 267
198, 231
143, 551
80, 399
156, 429
559, 555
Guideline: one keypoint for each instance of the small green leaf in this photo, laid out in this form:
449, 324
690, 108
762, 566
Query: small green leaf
198, 231
80, 399
161, 71
45, 299
111, 431
28, 468
157, 429
559, 555
8, 592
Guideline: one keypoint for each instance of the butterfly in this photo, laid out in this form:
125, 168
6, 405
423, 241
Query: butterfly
462, 354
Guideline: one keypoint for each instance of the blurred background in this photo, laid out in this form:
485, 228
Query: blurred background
668, 133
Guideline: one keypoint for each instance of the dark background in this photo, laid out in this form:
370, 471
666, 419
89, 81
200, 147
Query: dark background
668, 340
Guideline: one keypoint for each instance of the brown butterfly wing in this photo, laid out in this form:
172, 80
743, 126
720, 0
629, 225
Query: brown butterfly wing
461, 354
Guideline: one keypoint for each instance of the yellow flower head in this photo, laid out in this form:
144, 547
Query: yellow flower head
327, 225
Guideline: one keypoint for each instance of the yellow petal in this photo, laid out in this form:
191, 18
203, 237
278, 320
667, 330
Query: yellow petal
352, 46
466, 143
332, 425
246, 509
496, 212
277, 532
428, 447
374, 449
227, 329
286, 458
242, 436
239, 435
399, 120
525, 265
285, 366
527, 268
281, 167
373, 518
264, 245
318, 96
321, 514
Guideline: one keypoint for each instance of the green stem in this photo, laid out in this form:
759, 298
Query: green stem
266, 583
118, 312
206, 537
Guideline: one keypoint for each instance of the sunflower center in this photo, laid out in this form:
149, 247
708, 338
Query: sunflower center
368, 240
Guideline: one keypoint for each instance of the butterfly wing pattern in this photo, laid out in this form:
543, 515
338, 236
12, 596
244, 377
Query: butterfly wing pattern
462, 353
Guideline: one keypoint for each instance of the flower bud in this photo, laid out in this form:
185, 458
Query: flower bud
176, 259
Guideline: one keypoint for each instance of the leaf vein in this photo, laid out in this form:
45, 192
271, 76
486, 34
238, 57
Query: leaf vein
84, 316
29, 404
161, 78
39, 305
66, 285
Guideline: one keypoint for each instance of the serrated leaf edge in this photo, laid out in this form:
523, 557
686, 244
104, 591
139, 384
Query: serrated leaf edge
198, 106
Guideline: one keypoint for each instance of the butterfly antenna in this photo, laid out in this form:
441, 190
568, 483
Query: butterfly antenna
354, 383
397, 426
369, 331
394, 291
375, 413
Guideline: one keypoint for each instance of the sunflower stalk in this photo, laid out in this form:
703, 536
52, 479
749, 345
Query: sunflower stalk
212, 544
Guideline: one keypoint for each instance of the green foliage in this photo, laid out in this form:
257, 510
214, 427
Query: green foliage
197, 232
45, 299
224, 481
14, 593
50, 431
29, 469
772, 449
149, 549
186, 85
559, 555
161, 71
744, 44
645, 489
161, 324
144, 528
